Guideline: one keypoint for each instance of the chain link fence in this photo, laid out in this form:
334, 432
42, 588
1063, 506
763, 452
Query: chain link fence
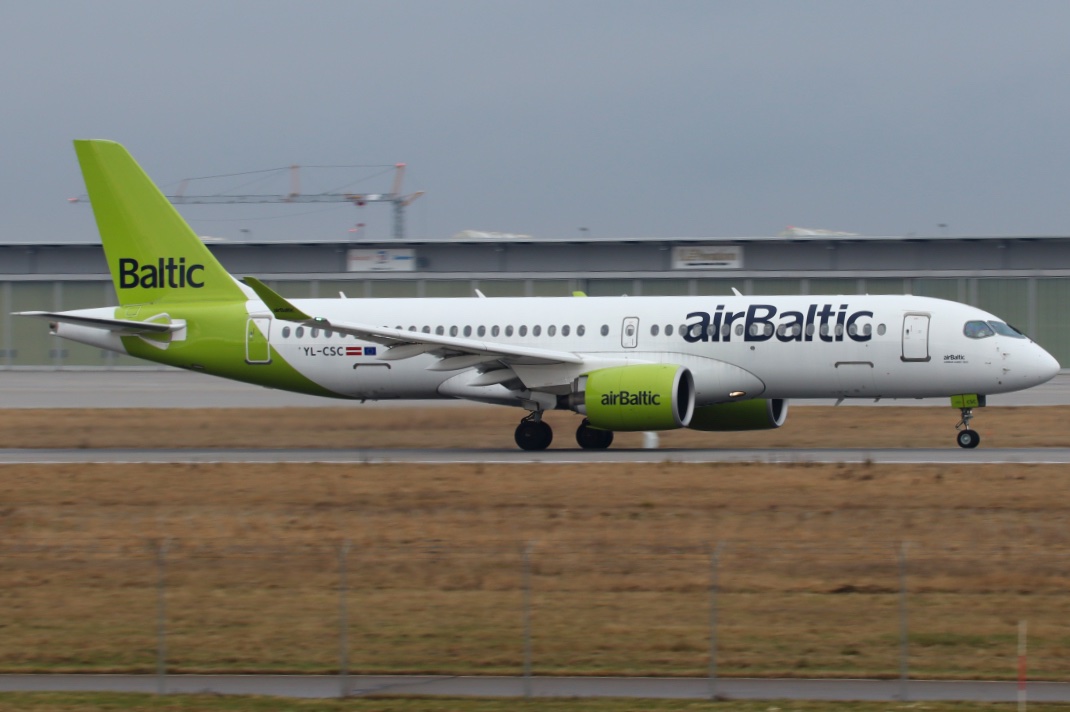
729, 608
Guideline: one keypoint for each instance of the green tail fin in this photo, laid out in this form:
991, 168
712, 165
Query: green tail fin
152, 253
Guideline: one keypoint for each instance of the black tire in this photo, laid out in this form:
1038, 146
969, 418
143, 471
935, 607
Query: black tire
968, 439
591, 438
532, 435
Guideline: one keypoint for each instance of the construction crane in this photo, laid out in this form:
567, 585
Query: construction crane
399, 201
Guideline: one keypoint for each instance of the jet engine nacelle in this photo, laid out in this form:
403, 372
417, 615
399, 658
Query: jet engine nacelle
639, 397
755, 414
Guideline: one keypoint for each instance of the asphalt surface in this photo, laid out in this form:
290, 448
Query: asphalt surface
321, 686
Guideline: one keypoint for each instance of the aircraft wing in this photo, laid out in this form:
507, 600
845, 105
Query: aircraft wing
454, 352
124, 326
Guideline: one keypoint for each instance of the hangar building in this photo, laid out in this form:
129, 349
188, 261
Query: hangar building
1023, 279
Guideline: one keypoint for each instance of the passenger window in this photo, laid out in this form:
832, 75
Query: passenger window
426, 329
315, 333
668, 329
581, 330
536, 330
440, 330
564, 330
809, 329
523, 331
285, 332
739, 330
299, 332
654, 330
467, 331
494, 331
453, 331
481, 331
509, 330
867, 330
881, 328
605, 329
551, 330
839, 330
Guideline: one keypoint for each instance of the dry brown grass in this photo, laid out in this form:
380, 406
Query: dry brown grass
621, 567
482, 427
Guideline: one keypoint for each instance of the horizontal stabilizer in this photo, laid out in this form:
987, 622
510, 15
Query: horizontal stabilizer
125, 326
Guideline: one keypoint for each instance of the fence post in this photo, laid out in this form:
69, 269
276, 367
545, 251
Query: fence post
715, 557
526, 584
904, 626
1021, 665
161, 616
343, 620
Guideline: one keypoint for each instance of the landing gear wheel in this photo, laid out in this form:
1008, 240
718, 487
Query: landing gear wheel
591, 438
968, 439
533, 434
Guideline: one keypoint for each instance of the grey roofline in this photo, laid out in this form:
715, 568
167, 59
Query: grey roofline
388, 242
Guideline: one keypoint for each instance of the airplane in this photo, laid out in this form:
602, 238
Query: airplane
709, 363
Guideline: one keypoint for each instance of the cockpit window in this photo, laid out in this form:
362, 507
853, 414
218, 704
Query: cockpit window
1006, 330
977, 330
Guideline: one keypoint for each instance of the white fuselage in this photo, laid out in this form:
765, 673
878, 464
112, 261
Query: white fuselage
843, 346
770, 347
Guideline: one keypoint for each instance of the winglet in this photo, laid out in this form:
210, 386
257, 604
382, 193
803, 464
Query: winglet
274, 301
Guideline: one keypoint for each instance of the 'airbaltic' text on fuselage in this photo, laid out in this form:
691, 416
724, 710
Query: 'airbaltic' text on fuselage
762, 322
165, 273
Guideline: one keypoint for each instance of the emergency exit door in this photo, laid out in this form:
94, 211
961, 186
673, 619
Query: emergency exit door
629, 332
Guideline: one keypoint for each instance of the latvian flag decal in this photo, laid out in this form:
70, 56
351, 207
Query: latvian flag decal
360, 350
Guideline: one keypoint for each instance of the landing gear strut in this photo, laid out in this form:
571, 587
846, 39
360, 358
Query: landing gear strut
532, 433
967, 438
592, 438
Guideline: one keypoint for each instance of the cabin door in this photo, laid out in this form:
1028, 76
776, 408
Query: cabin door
916, 337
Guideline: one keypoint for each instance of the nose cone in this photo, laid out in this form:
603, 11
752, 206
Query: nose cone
1046, 367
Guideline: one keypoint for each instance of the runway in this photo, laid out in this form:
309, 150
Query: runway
910, 456
324, 686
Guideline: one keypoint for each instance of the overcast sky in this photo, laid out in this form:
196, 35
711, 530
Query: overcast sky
667, 118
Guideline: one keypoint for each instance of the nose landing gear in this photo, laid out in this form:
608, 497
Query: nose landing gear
532, 433
967, 438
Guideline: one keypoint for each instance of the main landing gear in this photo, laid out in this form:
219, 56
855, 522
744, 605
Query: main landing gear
592, 438
532, 433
